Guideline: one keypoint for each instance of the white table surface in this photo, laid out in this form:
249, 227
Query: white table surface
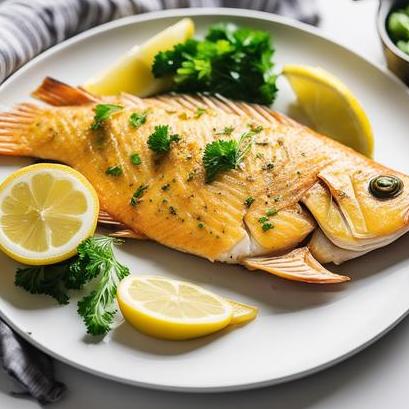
374, 379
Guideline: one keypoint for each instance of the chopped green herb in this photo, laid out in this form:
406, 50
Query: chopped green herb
160, 140
136, 197
224, 155
165, 187
271, 212
267, 226
135, 159
200, 225
256, 129
259, 155
102, 113
263, 219
228, 130
249, 201
199, 112
95, 260
114, 171
136, 120
233, 61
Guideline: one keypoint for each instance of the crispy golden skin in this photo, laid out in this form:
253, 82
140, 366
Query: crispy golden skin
288, 165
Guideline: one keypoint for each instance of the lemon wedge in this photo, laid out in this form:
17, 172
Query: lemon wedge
132, 73
172, 309
242, 313
331, 107
46, 210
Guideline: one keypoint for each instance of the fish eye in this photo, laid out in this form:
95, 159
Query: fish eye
385, 187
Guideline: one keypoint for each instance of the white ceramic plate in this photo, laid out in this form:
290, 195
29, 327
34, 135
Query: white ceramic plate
301, 328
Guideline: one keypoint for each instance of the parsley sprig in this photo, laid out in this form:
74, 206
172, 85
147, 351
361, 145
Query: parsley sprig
233, 61
224, 155
95, 261
160, 140
102, 113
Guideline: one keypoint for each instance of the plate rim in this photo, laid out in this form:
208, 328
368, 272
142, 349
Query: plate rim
199, 12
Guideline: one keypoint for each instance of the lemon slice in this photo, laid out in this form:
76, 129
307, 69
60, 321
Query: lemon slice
132, 73
242, 313
331, 107
46, 210
171, 309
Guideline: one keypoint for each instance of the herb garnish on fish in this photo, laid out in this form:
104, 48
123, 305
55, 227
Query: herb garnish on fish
224, 155
102, 113
114, 171
135, 159
136, 120
136, 197
249, 201
160, 140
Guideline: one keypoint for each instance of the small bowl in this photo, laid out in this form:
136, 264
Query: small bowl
397, 60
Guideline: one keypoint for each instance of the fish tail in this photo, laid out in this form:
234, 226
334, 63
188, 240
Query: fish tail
57, 93
15, 128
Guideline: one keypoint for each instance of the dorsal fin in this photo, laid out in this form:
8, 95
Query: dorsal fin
57, 93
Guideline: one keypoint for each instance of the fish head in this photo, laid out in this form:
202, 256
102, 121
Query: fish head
361, 206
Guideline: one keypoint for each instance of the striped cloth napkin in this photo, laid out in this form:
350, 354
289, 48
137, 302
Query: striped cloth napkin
28, 27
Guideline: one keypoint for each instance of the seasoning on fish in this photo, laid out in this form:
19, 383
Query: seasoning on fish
227, 181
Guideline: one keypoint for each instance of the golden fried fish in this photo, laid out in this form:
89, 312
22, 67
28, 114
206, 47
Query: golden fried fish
295, 199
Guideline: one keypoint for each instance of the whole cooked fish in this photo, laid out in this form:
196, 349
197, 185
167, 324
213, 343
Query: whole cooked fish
298, 199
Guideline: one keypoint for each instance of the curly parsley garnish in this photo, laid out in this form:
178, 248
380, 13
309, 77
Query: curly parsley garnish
160, 140
136, 120
102, 113
233, 61
114, 171
223, 155
95, 261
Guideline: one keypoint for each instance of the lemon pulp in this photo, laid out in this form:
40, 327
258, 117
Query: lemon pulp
331, 107
132, 72
46, 210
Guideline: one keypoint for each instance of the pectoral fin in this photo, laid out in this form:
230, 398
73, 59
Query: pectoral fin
299, 265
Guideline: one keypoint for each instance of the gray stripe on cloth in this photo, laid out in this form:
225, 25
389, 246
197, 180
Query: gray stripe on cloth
28, 27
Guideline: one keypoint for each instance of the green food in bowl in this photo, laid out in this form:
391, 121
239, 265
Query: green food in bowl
398, 28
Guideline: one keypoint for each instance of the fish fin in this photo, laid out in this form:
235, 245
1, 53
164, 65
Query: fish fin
118, 229
57, 93
14, 128
298, 265
128, 234
325, 251
132, 100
